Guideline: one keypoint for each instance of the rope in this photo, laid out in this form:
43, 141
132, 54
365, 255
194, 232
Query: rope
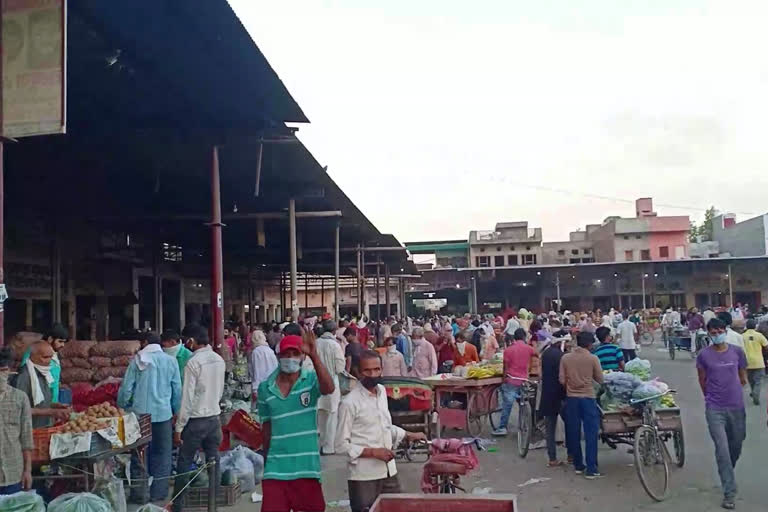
195, 472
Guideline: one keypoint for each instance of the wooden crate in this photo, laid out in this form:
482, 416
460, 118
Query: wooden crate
197, 497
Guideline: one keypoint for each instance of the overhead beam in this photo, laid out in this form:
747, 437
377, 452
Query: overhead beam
355, 249
231, 216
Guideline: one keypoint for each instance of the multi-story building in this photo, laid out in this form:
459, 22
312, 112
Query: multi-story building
511, 244
645, 237
746, 238
578, 249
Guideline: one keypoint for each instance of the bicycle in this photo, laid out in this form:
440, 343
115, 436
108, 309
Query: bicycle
526, 426
651, 453
444, 475
646, 334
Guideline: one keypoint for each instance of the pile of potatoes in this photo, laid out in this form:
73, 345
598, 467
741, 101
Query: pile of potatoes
104, 410
93, 419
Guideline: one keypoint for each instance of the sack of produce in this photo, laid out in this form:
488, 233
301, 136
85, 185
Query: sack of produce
122, 361
66, 363
649, 389
79, 502
113, 491
639, 367
111, 371
620, 385
22, 502
76, 348
70, 375
114, 349
79, 362
100, 361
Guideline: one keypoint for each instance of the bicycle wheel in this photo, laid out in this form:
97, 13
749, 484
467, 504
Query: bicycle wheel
646, 338
494, 417
476, 410
524, 428
678, 445
651, 462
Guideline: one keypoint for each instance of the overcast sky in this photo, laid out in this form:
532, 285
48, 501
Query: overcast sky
438, 117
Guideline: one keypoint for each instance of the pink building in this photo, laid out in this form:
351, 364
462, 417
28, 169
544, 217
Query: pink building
646, 237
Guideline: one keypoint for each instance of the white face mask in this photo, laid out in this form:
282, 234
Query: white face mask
172, 351
391, 349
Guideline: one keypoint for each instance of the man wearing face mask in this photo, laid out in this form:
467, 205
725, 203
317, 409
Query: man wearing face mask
288, 411
333, 359
34, 380
392, 361
367, 436
16, 442
172, 346
722, 371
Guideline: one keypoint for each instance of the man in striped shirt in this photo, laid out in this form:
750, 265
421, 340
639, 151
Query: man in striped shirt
610, 355
288, 411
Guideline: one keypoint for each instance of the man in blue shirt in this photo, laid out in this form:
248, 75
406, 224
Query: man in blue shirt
403, 344
152, 385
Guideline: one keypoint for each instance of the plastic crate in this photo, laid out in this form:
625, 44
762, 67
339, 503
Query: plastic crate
41, 438
197, 497
445, 503
145, 426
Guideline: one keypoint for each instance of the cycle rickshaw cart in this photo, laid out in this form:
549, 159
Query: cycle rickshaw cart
464, 403
655, 434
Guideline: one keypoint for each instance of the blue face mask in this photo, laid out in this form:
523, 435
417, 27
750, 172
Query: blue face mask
719, 339
290, 365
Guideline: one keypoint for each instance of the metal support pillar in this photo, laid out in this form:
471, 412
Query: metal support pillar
363, 286
730, 286
294, 265
644, 275
72, 303
2, 244
281, 317
357, 281
217, 263
557, 284
336, 273
56, 279
388, 311
157, 290
322, 292
473, 280
378, 300
306, 293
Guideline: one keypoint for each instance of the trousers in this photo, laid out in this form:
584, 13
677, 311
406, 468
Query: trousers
551, 424
199, 433
582, 412
509, 394
327, 422
755, 378
363, 493
727, 428
160, 449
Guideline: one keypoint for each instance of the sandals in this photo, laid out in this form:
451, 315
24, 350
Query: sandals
554, 463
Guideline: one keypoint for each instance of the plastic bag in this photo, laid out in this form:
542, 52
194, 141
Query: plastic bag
639, 367
22, 502
79, 502
247, 466
649, 389
113, 491
149, 507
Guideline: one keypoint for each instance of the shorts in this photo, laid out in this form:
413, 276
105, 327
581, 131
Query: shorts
301, 495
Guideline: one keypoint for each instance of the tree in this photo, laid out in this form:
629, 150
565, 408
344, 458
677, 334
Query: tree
705, 230
693, 232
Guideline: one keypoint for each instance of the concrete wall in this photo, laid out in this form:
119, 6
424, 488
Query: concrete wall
551, 252
747, 238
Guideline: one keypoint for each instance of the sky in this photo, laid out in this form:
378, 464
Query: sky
440, 117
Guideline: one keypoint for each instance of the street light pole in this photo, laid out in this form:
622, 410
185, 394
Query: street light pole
557, 284
730, 286
644, 276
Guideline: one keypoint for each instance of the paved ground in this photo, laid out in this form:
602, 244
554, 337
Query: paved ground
695, 488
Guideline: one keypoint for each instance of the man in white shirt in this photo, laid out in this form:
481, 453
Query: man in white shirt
198, 425
367, 436
628, 339
333, 359
708, 315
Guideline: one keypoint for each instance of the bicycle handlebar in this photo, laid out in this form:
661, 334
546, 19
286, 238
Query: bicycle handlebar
634, 401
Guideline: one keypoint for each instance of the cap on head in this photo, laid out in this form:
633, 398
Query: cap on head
291, 342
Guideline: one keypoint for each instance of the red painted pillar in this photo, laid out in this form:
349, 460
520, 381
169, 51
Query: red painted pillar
217, 267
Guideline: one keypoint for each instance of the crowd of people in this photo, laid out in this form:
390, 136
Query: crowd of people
316, 384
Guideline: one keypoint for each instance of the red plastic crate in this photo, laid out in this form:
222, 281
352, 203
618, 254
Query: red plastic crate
445, 503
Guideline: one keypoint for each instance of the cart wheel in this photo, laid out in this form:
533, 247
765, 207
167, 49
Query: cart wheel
475, 414
651, 462
494, 417
672, 351
524, 428
678, 443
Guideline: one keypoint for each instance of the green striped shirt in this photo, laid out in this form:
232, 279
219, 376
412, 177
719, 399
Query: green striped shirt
294, 451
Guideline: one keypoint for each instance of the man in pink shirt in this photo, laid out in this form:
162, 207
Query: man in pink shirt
517, 360
424, 356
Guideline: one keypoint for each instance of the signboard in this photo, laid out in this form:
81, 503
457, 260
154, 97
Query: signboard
430, 304
33, 67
